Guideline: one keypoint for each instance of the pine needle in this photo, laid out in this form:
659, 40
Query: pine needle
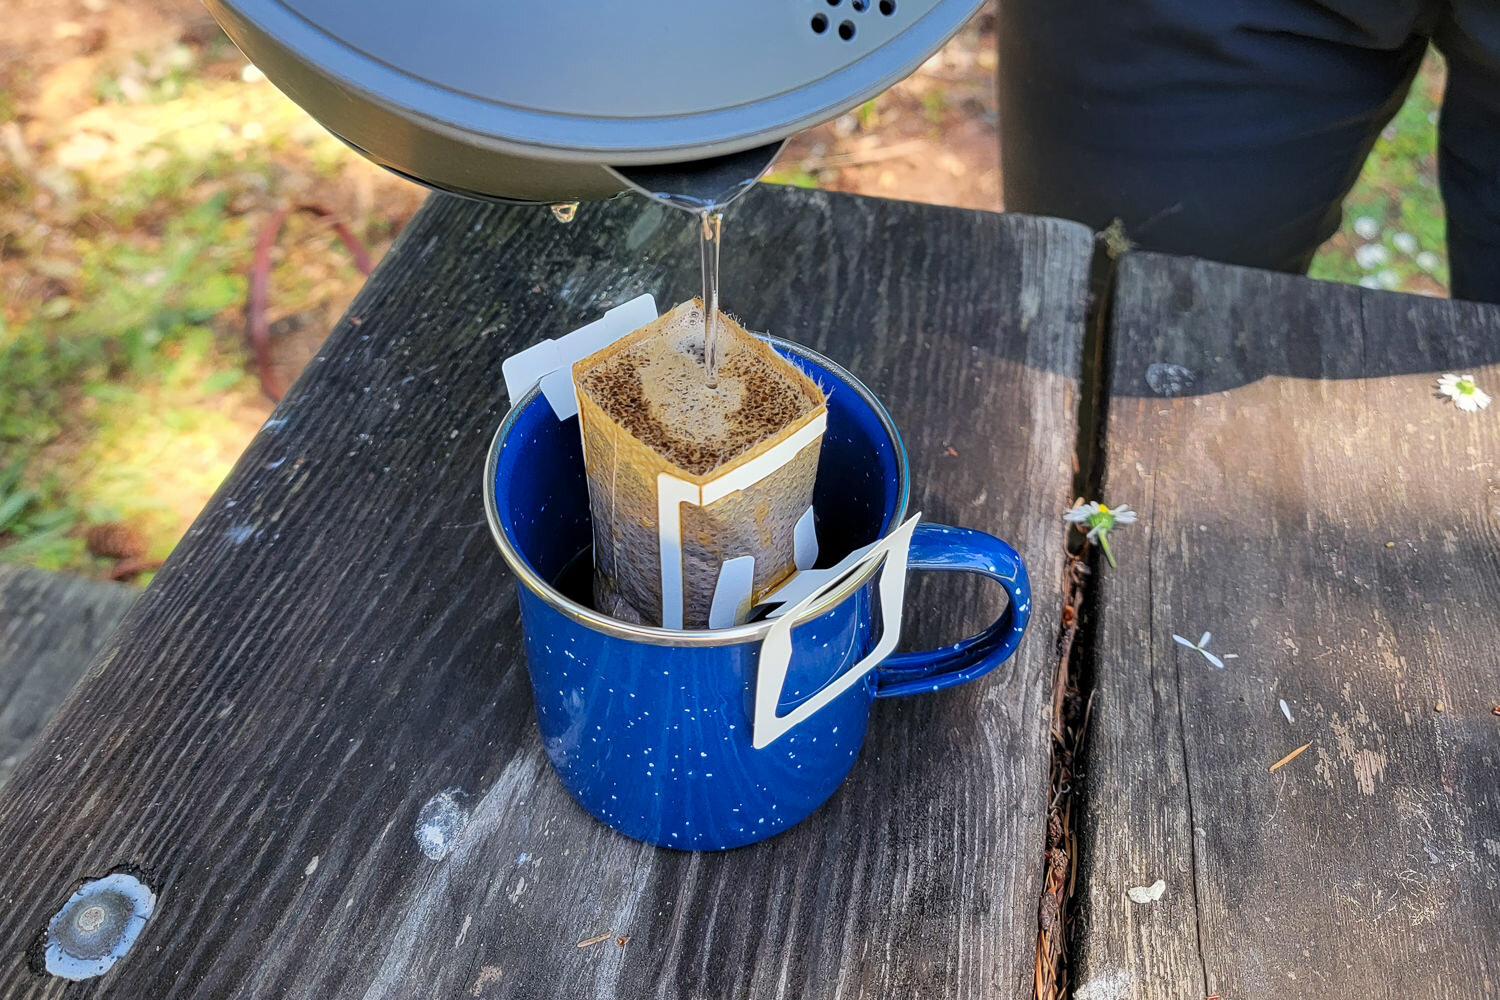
1290, 757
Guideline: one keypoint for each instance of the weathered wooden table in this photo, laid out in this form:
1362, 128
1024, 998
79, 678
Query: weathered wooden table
335, 646
1307, 499
333, 652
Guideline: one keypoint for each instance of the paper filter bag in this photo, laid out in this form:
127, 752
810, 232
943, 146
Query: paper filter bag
684, 479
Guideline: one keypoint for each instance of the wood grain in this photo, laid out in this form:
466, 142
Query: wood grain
336, 643
1311, 503
51, 625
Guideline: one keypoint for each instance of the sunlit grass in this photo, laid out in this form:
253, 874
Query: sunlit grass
1394, 235
122, 371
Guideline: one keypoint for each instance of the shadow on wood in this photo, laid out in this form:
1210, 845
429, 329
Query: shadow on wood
1196, 327
51, 626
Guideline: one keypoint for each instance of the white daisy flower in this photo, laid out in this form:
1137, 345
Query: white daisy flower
1405, 242
1429, 261
1370, 256
1464, 393
1366, 227
1101, 520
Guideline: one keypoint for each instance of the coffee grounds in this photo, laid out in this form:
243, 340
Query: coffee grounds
657, 390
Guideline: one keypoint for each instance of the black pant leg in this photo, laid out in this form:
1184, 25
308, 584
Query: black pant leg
1469, 148
1227, 130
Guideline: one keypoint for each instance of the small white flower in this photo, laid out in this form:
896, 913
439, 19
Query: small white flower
1405, 242
1388, 279
1371, 255
1369, 281
1081, 513
1201, 646
1429, 261
1366, 227
1464, 393
1101, 520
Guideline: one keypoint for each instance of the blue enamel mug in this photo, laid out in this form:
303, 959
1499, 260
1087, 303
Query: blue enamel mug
687, 739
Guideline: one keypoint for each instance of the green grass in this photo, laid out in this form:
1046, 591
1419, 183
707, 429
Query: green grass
122, 372
1394, 235
130, 346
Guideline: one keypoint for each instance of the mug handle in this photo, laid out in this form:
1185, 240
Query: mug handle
938, 547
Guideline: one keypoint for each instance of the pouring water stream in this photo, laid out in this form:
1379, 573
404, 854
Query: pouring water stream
704, 188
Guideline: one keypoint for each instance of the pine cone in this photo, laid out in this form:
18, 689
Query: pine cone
114, 540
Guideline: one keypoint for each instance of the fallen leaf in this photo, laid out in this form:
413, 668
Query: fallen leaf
588, 942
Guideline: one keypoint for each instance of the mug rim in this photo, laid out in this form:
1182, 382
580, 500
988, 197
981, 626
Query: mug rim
655, 635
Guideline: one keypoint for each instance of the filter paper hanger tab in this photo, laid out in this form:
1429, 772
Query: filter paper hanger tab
550, 363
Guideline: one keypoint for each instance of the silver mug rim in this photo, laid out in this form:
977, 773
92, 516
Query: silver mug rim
655, 635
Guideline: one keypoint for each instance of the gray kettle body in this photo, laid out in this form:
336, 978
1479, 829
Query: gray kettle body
540, 100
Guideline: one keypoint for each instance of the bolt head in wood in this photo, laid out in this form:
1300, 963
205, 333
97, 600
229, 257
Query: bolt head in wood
97, 926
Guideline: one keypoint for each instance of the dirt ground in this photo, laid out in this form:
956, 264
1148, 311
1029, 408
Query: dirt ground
931, 138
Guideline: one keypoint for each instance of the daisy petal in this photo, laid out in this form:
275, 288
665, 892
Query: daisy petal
1206, 636
1183, 642
1211, 658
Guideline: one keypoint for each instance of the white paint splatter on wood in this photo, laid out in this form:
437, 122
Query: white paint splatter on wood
1113, 985
487, 974
440, 822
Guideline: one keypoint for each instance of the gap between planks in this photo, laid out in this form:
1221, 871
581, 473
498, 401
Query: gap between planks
1073, 685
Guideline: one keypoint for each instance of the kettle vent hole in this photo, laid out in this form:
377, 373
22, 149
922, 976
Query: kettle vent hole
860, 6
834, 3
887, 7
819, 24
846, 30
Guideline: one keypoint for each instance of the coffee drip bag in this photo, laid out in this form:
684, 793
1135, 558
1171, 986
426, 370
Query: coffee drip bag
688, 484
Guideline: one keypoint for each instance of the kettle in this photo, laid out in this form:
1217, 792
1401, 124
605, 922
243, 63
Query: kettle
556, 101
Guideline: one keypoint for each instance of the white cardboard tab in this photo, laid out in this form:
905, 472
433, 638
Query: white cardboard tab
805, 541
732, 593
776, 649
550, 362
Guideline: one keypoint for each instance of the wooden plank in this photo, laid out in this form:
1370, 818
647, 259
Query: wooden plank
51, 625
336, 643
1310, 502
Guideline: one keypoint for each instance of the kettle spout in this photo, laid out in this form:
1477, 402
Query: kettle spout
700, 185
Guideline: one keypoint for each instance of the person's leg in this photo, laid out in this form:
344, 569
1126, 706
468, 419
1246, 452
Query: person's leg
1469, 149
1223, 130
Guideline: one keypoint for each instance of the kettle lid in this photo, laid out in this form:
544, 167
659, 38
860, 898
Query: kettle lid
590, 81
